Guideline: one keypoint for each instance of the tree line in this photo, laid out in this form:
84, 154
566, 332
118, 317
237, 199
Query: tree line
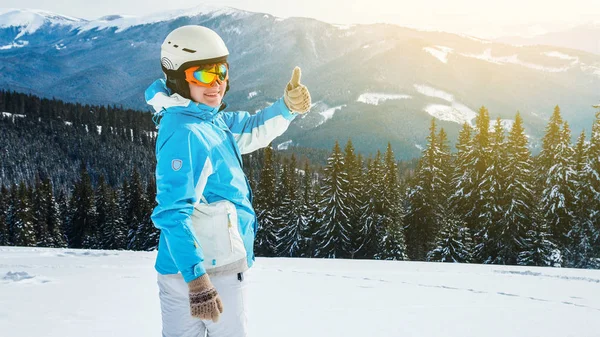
491, 201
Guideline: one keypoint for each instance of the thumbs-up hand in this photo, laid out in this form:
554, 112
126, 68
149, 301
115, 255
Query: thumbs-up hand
296, 95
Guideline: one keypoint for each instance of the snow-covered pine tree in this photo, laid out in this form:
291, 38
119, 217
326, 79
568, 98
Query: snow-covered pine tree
311, 197
333, 236
82, 211
3, 212
393, 242
453, 243
477, 198
461, 183
557, 201
579, 251
293, 215
148, 232
138, 215
40, 210
521, 210
117, 212
550, 141
425, 197
115, 234
363, 236
371, 219
12, 205
502, 230
539, 250
472, 161
102, 209
352, 168
24, 232
55, 237
591, 176
447, 165
267, 205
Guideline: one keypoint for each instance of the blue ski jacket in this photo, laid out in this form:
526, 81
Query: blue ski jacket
198, 155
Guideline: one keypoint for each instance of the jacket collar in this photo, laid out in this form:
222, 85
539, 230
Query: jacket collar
163, 101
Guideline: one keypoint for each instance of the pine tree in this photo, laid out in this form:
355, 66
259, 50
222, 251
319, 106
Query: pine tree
425, 198
3, 215
64, 214
463, 176
55, 236
333, 236
312, 196
559, 190
40, 216
148, 232
447, 169
579, 250
453, 243
480, 205
119, 211
13, 204
137, 211
102, 209
393, 242
591, 185
539, 249
294, 221
352, 168
500, 240
81, 227
266, 206
521, 212
24, 231
551, 140
371, 219
114, 234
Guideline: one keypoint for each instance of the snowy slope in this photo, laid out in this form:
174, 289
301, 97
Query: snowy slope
56, 292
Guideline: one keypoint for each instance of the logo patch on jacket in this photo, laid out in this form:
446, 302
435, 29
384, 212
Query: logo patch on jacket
176, 164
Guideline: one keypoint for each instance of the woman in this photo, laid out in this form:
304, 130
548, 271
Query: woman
204, 210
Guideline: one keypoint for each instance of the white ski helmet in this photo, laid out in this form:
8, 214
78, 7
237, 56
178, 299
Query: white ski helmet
189, 46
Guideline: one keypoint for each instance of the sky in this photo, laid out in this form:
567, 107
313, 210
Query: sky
486, 19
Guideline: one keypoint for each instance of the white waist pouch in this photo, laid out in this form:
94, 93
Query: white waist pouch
216, 227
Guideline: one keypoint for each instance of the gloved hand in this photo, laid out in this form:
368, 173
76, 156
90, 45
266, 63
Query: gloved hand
204, 299
296, 95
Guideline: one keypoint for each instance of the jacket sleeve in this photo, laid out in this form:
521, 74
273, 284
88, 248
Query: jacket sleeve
182, 169
253, 132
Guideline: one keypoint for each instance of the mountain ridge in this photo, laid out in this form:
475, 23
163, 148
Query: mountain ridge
376, 82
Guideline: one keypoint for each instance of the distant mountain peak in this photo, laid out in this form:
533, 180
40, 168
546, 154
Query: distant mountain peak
30, 20
122, 22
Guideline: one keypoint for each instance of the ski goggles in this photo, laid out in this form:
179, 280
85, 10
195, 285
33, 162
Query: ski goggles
207, 75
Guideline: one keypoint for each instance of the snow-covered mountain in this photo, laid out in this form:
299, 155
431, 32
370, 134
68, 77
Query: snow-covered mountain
584, 37
374, 83
84, 293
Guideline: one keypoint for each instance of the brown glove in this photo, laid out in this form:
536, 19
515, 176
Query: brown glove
296, 95
204, 299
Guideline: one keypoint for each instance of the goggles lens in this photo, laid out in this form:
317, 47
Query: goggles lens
207, 75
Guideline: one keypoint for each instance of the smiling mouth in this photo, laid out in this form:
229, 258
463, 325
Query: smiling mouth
214, 94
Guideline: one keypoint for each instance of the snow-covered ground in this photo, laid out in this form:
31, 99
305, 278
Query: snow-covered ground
439, 52
455, 112
377, 98
514, 59
61, 292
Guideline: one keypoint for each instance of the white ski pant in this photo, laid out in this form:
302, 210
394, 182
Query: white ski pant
175, 308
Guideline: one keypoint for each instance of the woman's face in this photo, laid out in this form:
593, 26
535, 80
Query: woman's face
211, 96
